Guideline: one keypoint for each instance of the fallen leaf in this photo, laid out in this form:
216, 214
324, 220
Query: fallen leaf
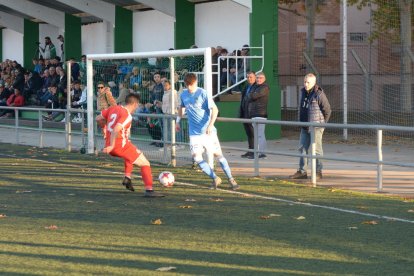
24, 191
362, 207
71, 194
352, 228
51, 227
14, 164
190, 199
2, 216
264, 217
246, 195
370, 222
167, 268
90, 201
300, 218
156, 221
332, 190
216, 199
410, 211
185, 206
274, 215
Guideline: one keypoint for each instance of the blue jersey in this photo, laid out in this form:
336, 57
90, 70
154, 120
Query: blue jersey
198, 108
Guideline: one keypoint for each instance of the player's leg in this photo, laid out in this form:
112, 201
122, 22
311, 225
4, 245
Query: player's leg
196, 147
128, 167
215, 147
146, 174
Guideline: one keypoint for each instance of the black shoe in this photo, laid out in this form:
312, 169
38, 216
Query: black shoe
318, 175
128, 184
160, 145
262, 155
152, 193
247, 154
299, 175
153, 144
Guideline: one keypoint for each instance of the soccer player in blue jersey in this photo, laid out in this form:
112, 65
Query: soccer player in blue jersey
202, 113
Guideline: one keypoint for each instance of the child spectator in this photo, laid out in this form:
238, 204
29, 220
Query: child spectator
16, 99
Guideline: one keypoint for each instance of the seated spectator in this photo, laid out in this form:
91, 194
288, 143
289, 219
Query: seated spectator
50, 98
123, 92
15, 99
78, 96
135, 77
62, 87
53, 102
4, 94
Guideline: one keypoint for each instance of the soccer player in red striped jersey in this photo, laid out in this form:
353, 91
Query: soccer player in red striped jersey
118, 125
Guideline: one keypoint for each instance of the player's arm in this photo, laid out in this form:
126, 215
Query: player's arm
213, 117
180, 114
114, 134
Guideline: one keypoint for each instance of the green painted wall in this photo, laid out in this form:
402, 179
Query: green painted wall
123, 30
184, 24
72, 45
263, 20
30, 37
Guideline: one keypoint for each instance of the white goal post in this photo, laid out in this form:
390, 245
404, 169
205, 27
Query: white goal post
171, 54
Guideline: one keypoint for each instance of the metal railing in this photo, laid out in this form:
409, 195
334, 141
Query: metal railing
378, 161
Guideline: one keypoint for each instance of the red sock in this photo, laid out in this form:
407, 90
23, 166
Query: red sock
146, 174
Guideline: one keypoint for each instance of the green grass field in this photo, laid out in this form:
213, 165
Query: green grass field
67, 214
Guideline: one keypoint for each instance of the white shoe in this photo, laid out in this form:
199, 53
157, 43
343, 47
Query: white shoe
63, 120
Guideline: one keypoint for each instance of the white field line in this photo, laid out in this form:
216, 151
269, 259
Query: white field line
248, 195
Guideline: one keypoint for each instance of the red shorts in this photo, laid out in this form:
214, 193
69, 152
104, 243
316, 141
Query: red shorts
129, 152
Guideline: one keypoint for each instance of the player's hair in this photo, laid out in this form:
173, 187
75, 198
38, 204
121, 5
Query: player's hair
132, 98
190, 78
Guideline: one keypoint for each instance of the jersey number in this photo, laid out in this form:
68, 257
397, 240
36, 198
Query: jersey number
111, 122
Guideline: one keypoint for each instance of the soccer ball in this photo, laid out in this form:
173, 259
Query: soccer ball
166, 179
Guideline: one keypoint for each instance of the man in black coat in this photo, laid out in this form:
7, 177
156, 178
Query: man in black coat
244, 114
257, 101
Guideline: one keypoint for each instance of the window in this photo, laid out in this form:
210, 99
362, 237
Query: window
358, 37
320, 47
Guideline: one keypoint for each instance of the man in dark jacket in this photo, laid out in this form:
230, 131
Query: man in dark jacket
257, 101
244, 112
314, 108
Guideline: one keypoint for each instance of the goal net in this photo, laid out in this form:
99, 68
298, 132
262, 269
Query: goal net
144, 73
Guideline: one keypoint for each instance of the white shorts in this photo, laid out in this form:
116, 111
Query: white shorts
209, 142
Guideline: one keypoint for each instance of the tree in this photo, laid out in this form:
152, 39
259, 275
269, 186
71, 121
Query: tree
394, 18
308, 11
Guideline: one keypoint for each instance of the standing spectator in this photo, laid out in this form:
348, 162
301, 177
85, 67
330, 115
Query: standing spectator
74, 69
16, 99
244, 113
257, 109
314, 108
202, 113
167, 108
62, 45
49, 51
104, 98
117, 143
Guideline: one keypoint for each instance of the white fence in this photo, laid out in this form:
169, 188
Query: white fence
169, 156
